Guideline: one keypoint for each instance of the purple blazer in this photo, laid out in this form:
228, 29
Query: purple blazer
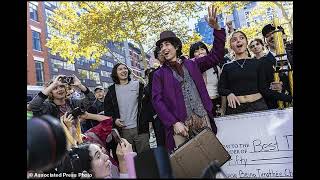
167, 97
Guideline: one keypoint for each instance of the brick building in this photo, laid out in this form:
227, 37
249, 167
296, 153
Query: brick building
37, 54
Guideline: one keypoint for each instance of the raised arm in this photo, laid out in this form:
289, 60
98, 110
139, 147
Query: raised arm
216, 54
37, 104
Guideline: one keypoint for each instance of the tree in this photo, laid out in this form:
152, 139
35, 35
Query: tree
190, 40
84, 28
261, 10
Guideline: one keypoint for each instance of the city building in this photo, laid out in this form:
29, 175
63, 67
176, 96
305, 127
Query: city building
204, 30
53, 65
240, 19
37, 54
136, 62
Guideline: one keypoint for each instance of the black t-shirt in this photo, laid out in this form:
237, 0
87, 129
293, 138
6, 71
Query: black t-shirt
248, 80
240, 81
96, 107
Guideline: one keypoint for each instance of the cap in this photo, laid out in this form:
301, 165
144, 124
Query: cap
98, 87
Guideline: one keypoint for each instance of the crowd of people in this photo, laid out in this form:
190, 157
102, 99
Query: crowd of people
181, 95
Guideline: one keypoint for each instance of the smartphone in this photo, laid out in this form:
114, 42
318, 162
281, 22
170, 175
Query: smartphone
116, 136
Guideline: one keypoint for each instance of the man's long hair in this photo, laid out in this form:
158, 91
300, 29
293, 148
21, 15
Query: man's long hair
176, 45
114, 74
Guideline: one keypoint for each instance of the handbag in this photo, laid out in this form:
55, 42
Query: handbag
192, 157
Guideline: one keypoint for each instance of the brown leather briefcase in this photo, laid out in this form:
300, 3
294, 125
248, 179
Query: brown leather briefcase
191, 158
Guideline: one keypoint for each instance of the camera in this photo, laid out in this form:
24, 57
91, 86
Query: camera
46, 143
67, 79
76, 112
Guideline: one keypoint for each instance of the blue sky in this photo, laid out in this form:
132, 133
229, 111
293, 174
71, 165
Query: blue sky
192, 22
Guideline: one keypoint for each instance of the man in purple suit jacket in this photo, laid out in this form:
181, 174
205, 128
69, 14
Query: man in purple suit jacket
178, 91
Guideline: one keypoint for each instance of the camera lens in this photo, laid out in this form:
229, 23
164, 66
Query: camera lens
46, 142
68, 80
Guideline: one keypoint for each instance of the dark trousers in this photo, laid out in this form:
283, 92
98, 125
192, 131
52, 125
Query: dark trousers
159, 131
258, 105
215, 103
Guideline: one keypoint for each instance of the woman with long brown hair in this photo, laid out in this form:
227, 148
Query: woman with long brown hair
243, 80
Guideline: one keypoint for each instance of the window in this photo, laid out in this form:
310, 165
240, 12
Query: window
94, 76
109, 55
105, 74
91, 60
33, 9
39, 73
68, 66
109, 64
80, 62
270, 13
119, 57
246, 15
84, 74
105, 85
102, 62
48, 15
86, 61
36, 41
54, 3
56, 65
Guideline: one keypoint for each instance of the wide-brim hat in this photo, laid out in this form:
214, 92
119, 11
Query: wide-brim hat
168, 35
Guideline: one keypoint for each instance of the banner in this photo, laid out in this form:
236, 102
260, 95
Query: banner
260, 144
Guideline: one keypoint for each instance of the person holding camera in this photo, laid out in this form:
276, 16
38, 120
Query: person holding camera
58, 103
64, 108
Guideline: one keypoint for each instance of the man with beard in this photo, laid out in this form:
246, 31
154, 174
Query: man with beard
269, 61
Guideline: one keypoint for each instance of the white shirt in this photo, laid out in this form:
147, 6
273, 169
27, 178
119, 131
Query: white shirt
212, 82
